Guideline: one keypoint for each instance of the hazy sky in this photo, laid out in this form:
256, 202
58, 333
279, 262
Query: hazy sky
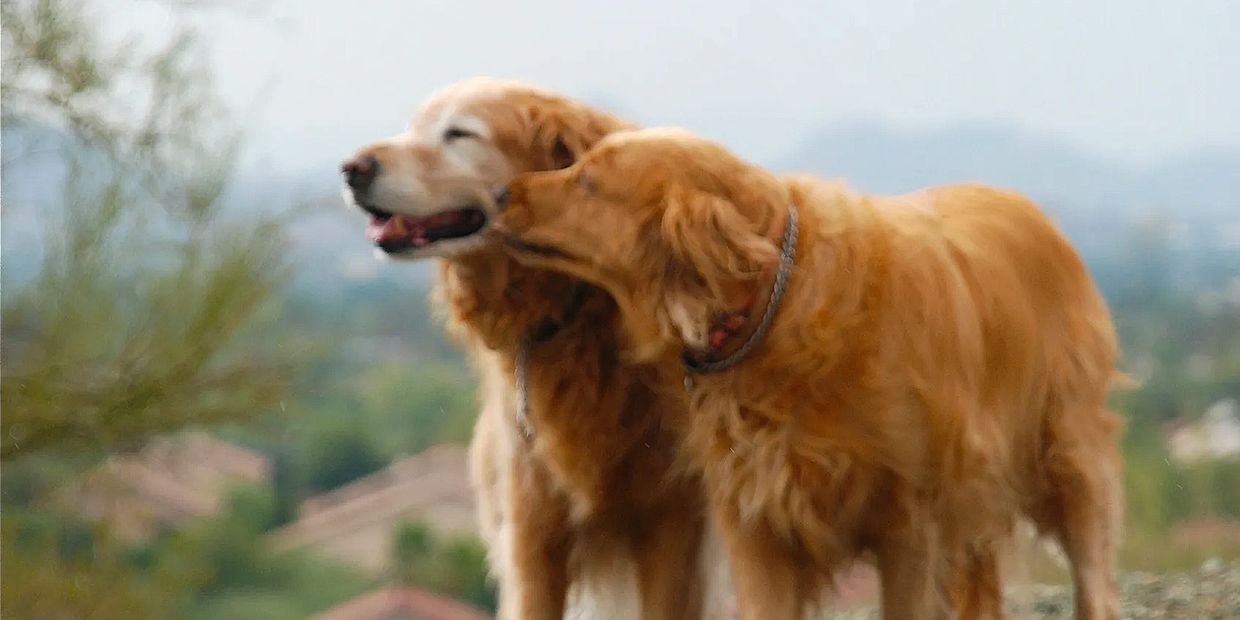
1131, 79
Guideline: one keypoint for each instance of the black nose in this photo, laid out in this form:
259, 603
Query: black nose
501, 198
360, 172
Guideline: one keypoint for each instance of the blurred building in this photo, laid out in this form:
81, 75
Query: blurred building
171, 480
1215, 435
355, 523
401, 603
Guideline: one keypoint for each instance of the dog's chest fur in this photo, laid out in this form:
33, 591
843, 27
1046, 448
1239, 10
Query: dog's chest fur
598, 428
597, 425
819, 498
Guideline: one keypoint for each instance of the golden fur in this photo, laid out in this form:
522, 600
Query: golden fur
938, 367
593, 492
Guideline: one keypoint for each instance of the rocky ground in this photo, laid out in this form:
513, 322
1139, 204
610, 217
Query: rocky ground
1211, 592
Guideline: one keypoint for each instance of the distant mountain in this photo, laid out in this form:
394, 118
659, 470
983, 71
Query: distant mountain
878, 158
34, 174
327, 242
1099, 203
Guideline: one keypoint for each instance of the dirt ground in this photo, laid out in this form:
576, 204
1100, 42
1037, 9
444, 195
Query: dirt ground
1210, 592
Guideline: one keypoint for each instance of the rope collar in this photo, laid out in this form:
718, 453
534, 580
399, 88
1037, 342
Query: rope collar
725, 328
544, 331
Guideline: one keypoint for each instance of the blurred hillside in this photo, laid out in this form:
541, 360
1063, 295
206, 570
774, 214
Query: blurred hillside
1102, 205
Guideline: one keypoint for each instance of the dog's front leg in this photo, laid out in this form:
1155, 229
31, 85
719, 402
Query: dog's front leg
672, 581
538, 540
909, 567
764, 571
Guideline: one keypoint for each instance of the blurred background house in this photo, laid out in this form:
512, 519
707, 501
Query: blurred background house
355, 523
1215, 436
169, 481
400, 604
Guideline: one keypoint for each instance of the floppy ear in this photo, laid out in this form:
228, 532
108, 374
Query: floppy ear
714, 241
564, 138
563, 156
565, 134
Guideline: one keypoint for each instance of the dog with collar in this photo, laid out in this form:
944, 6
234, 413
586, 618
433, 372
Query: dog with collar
581, 500
891, 377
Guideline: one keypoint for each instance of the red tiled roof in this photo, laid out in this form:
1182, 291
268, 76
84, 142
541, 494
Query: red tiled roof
355, 523
401, 603
173, 478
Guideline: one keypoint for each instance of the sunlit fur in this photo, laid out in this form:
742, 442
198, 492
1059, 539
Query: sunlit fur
938, 368
591, 503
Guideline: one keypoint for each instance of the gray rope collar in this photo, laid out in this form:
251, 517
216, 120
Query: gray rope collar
787, 256
539, 334
523, 392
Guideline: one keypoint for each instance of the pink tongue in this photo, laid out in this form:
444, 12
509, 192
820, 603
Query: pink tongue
396, 228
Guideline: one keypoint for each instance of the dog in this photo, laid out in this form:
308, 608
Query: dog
575, 469
891, 377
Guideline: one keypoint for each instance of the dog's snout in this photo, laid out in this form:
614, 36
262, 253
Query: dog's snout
360, 172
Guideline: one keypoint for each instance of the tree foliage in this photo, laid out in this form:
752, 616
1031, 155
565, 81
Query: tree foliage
455, 567
338, 454
218, 569
146, 290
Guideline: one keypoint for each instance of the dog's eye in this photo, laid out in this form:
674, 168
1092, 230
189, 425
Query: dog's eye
456, 133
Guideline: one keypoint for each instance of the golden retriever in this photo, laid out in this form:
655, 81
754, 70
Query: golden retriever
931, 367
583, 488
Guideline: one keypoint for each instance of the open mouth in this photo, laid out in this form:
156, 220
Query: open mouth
398, 233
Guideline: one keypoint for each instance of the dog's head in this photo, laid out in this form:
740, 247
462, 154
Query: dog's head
674, 226
430, 190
